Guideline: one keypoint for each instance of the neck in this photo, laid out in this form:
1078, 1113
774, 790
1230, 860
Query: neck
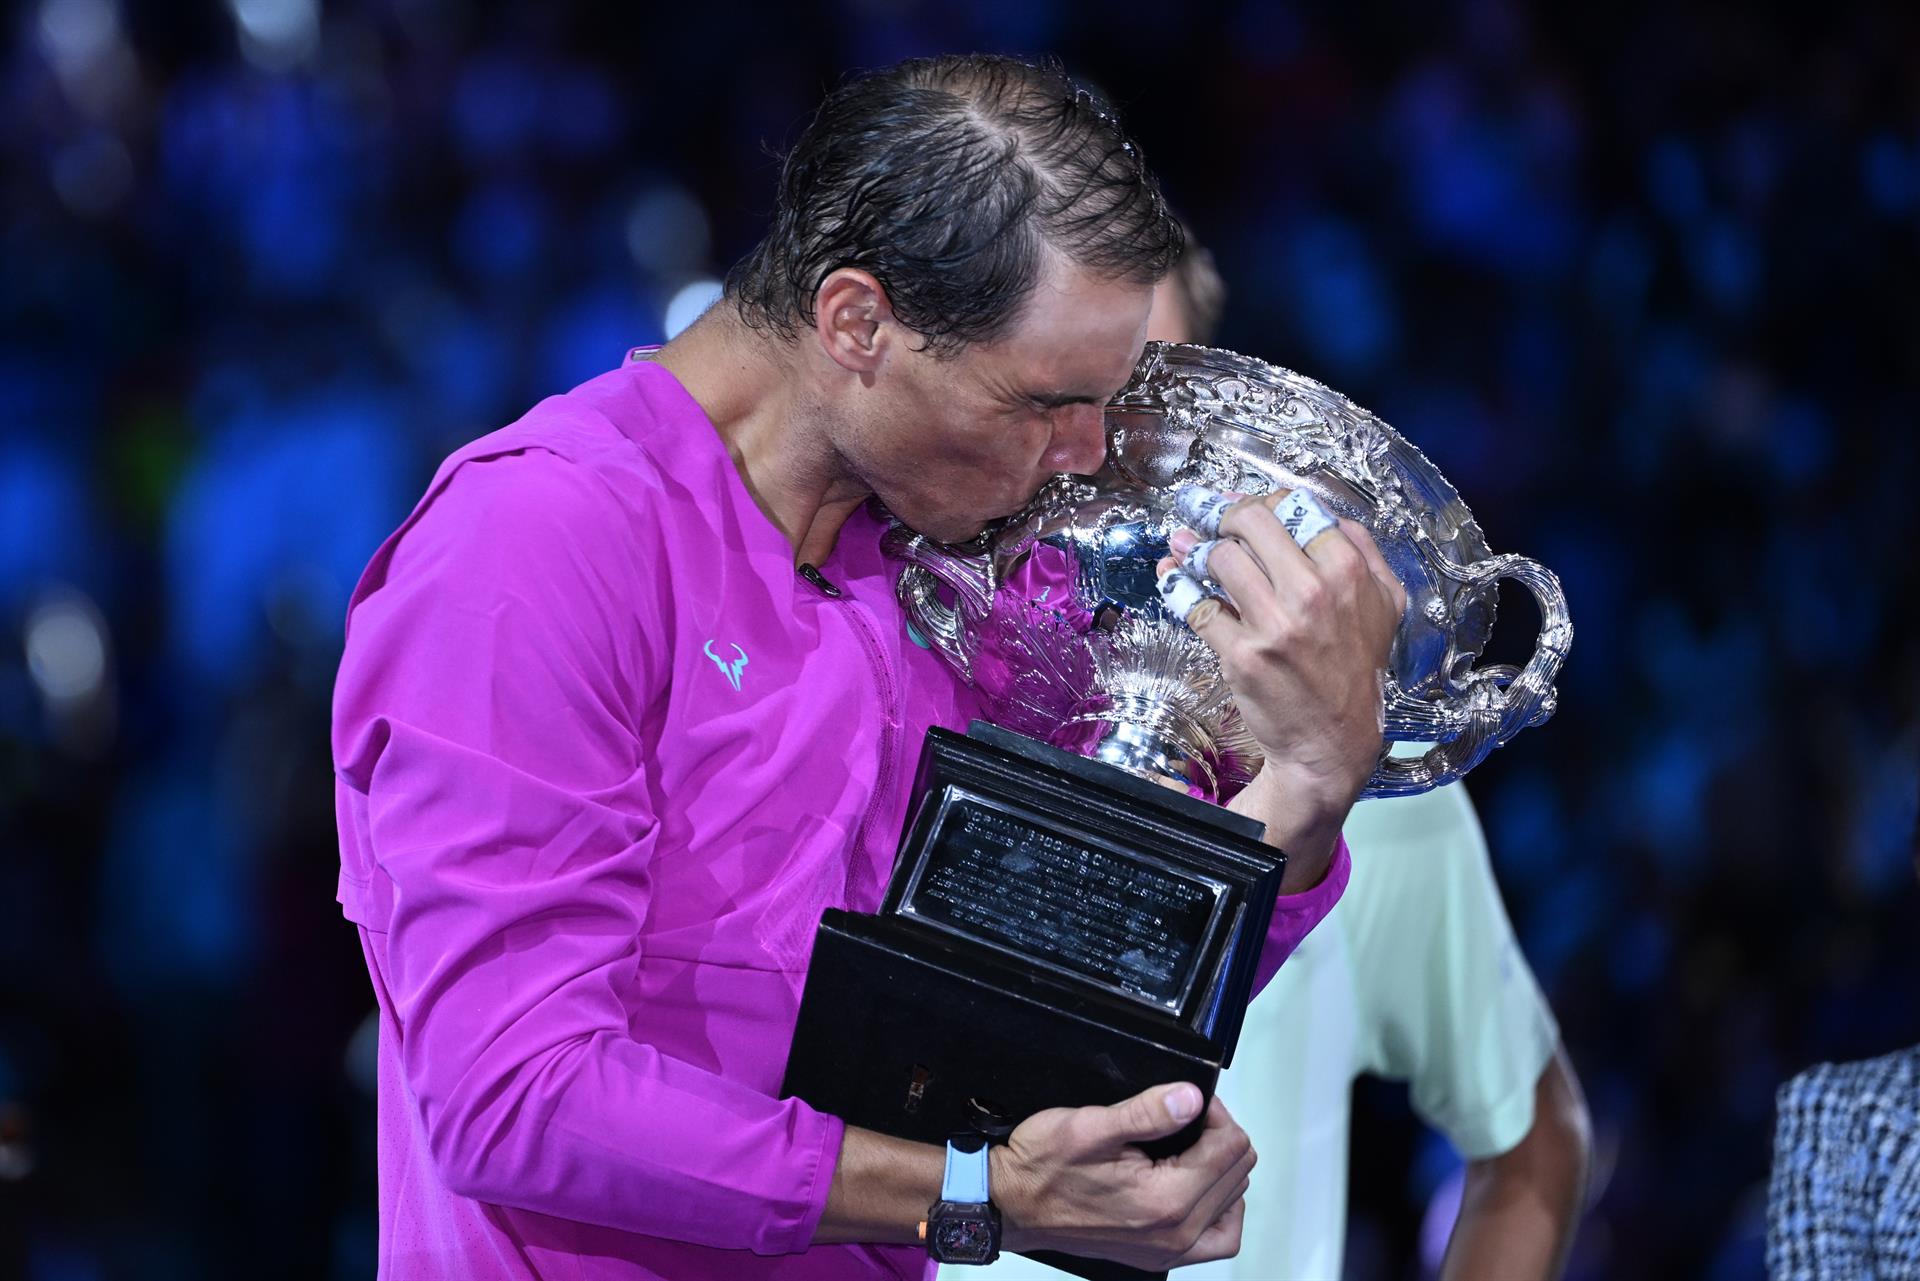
755, 389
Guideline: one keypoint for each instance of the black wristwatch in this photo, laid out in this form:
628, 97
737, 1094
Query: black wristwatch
963, 1226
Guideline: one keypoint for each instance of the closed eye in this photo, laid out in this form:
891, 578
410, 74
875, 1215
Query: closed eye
1059, 400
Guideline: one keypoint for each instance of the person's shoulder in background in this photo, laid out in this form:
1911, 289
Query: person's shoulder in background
1406, 849
1446, 1000
1845, 1198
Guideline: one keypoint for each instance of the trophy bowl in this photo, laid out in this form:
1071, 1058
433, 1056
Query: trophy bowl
1054, 614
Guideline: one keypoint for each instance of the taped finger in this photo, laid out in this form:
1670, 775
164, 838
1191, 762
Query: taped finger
1196, 562
1181, 593
1201, 508
1303, 517
1188, 599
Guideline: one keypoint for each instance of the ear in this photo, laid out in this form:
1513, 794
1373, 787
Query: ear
1168, 322
851, 318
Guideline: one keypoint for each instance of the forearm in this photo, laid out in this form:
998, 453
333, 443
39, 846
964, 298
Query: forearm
1519, 1210
882, 1188
1300, 820
1297, 914
1508, 1229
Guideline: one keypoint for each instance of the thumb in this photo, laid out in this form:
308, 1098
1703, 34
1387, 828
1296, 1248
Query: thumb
1154, 1113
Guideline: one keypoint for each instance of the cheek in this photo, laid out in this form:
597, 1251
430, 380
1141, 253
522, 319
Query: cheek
966, 456
1019, 442
991, 446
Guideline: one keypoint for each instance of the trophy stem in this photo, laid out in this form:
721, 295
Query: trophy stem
1154, 740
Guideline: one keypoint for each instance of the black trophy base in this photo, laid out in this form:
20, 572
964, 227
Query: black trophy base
885, 1065
1019, 1048
1057, 933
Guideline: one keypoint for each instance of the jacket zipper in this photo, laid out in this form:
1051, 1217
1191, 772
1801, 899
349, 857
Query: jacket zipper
888, 690
819, 580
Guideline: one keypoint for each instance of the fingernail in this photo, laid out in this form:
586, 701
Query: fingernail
1182, 542
1183, 1102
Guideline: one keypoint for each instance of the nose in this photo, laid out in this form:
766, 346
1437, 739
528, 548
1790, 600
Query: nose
1079, 441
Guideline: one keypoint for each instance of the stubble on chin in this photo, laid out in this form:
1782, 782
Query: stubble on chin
951, 531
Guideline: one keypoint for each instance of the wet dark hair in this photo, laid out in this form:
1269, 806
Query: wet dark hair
944, 177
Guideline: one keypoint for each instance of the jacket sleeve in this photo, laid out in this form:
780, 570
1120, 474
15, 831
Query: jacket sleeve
1295, 915
492, 780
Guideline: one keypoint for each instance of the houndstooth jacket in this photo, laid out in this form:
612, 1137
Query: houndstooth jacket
1845, 1200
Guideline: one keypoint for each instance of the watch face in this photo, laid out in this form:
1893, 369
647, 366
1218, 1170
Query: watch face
963, 1238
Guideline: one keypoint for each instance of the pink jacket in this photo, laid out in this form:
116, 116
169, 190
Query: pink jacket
602, 758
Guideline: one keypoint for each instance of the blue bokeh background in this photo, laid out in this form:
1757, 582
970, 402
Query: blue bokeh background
1640, 278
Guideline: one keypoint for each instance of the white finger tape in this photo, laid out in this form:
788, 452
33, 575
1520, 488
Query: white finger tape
1196, 562
1180, 592
1200, 508
1303, 516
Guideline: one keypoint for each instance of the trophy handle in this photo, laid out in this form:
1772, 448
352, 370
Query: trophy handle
1498, 701
930, 567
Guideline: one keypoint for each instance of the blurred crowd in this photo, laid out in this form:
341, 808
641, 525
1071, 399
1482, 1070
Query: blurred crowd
1639, 279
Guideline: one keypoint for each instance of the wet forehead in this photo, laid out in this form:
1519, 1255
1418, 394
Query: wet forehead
1078, 334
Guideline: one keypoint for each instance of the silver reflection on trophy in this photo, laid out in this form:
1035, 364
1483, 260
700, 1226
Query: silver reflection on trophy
1055, 615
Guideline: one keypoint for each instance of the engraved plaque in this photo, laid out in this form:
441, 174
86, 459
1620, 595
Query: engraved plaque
1006, 877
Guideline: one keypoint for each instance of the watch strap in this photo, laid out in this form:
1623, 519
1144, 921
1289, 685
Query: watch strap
966, 1177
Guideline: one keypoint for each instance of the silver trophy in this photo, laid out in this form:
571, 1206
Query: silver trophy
1055, 617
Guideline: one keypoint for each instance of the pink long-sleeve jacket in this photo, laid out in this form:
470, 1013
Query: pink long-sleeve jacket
602, 758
